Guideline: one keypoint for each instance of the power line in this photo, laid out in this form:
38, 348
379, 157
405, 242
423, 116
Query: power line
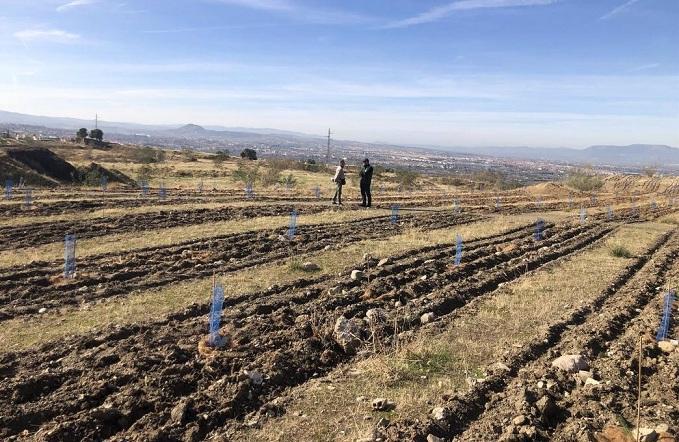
327, 154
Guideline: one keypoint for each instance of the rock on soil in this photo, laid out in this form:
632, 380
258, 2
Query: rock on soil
381, 404
666, 346
427, 318
356, 275
347, 333
383, 262
310, 267
376, 315
571, 363
179, 413
439, 413
337, 290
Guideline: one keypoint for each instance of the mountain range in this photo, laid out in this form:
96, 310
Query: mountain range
634, 155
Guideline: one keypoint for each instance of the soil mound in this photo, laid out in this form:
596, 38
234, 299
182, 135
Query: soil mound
92, 175
36, 166
45, 162
550, 188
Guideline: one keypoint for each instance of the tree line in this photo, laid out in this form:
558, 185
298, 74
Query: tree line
96, 134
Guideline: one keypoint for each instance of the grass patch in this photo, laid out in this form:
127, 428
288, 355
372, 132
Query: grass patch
620, 251
297, 265
415, 363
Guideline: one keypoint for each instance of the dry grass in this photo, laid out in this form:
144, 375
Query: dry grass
161, 237
431, 366
151, 208
137, 307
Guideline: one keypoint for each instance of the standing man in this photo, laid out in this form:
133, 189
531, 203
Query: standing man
340, 180
366, 180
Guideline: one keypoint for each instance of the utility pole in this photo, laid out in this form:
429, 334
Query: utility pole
327, 154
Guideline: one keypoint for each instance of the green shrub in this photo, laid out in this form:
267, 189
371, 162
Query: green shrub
270, 176
620, 251
583, 181
246, 173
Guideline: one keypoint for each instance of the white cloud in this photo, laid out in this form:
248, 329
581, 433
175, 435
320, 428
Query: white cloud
302, 13
618, 10
49, 35
75, 4
443, 11
644, 67
267, 5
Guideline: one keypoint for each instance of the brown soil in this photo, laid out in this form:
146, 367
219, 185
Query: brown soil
557, 406
146, 382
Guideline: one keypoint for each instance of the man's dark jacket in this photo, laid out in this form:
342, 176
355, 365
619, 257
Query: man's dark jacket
366, 174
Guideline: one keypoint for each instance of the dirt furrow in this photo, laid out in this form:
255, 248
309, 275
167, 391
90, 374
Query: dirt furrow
525, 386
54, 231
159, 267
96, 356
612, 401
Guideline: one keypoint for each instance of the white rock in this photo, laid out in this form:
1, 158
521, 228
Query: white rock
356, 275
662, 428
427, 317
584, 374
439, 413
432, 438
499, 366
571, 363
42, 310
310, 266
347, 333
383, 262
666, 346
519, 420
380, 404
591, 381
376, 315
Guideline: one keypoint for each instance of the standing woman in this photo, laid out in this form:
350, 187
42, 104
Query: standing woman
340, 180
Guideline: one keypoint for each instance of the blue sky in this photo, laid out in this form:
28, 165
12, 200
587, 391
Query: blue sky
452, 73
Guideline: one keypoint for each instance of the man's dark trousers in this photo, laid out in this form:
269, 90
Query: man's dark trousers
365, 193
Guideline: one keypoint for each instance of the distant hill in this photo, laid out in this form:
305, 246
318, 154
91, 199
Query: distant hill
134, 128
635, 155
643, 154
191, 131
632, 155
